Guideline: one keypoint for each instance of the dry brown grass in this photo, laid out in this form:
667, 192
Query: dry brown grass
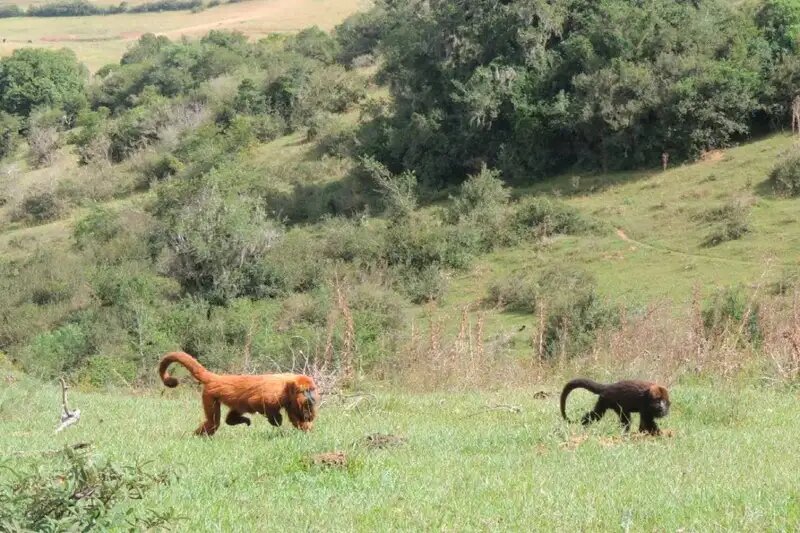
658, 343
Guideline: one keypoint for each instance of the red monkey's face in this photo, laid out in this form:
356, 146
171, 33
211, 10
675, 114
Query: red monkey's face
307, 398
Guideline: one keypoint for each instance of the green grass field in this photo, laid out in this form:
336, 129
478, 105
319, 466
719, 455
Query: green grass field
728, 461
99, 40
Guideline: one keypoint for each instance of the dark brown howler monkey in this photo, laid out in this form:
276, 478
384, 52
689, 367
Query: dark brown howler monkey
648, 399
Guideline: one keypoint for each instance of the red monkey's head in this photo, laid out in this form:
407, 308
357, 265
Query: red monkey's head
306, 398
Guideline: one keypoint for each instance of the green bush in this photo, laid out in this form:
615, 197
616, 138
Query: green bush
314, 44
99, 226
214, 232
268, 127
732, 311
105, 370
75, 492
482, 206
421, 241
421, 285
574, 312
162, 166
785, 175
517, 292
730, 222
541, 217
351, 241
56, 352
360, 34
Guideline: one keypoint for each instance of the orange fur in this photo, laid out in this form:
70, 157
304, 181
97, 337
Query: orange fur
266, 394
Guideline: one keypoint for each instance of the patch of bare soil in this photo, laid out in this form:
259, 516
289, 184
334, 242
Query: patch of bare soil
575, 441
333, 459
381, 440
712, 155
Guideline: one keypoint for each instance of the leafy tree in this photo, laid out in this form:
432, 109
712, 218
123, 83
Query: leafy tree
33, 77
780, 22
315, 44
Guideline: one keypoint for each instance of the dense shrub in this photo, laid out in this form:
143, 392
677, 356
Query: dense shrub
56, 352
482, 206
422, 285
574, 311
517, 292
315, 44
540, 217
358, 36
100, 225
730, 222
785, 175
421, 241
63, 8
39, 207
215, 240
352, 241
337, 138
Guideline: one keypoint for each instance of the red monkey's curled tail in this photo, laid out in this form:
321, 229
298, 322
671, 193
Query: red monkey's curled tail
197, 370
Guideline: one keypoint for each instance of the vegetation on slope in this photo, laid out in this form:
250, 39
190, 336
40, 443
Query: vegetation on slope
265, 205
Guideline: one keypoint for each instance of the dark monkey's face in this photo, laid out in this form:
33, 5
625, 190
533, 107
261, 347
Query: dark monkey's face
659, 401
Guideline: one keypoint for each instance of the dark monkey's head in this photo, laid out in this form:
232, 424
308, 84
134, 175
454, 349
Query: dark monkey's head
659, 401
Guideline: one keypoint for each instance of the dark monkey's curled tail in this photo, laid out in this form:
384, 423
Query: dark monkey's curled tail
579, 383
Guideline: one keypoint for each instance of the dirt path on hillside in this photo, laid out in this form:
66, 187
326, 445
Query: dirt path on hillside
665, 249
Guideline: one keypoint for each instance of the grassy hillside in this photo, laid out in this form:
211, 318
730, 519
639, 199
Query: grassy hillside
655, 246
99, 40
470, 462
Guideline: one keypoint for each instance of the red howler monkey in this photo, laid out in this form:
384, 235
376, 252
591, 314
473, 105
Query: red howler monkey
265, 394
648, 399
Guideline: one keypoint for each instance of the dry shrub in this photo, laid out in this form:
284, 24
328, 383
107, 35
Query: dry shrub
43, 143
432, 359
661, 343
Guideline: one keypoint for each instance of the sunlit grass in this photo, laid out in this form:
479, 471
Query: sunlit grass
728, 462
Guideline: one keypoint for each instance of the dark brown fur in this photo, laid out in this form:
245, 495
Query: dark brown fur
266, 394
648, 399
